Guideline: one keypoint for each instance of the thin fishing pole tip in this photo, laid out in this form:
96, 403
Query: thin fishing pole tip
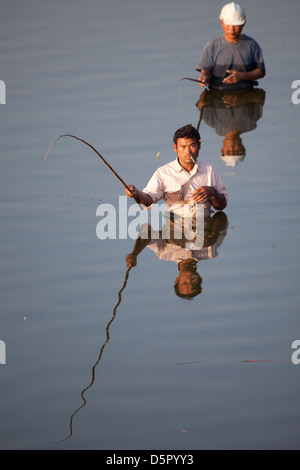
53, 143
96, 151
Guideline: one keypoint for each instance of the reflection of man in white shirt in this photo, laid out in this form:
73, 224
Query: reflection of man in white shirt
184, 180
188, 283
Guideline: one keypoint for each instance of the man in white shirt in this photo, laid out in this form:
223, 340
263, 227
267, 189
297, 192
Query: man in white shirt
184, 180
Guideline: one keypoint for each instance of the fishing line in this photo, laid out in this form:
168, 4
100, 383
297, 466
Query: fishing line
180, 102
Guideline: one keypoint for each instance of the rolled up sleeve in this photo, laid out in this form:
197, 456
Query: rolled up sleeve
155, 188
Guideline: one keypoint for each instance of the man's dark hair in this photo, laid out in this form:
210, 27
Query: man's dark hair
186, 132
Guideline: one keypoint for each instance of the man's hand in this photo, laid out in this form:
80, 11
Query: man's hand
131, 261
233, 77
231, 100
203, 193
209, 192
204, 78
132, 192
139, 196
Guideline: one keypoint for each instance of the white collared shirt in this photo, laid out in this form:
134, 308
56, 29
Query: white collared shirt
174, 184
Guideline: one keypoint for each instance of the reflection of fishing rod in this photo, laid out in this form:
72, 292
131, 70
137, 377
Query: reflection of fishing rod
202, 110
100, 355
205, 90
102, 158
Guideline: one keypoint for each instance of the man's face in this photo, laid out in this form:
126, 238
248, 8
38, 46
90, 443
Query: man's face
189, 283
232, 32
232, 145
187, 149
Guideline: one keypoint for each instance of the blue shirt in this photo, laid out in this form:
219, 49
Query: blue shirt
217, 57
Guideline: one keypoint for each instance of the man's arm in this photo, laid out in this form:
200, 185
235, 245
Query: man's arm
218, 200
235, 76
139, 196
140, 244
204, 192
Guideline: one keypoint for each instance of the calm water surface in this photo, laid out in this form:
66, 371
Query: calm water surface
99, 358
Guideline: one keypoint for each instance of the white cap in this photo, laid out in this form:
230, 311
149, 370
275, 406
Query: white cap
232, 160
233, 14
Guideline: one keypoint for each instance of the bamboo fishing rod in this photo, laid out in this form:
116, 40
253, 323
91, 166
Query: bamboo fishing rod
193, 80
93, 148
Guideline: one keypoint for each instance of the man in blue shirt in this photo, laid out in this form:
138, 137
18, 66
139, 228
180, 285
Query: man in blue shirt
233, 60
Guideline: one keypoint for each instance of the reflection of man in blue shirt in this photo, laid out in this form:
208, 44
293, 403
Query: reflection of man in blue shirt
233, 60
231, 113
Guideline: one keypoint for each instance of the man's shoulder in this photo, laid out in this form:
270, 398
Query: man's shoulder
249, 40
215, 43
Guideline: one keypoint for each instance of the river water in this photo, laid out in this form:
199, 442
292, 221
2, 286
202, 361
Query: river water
98, 357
